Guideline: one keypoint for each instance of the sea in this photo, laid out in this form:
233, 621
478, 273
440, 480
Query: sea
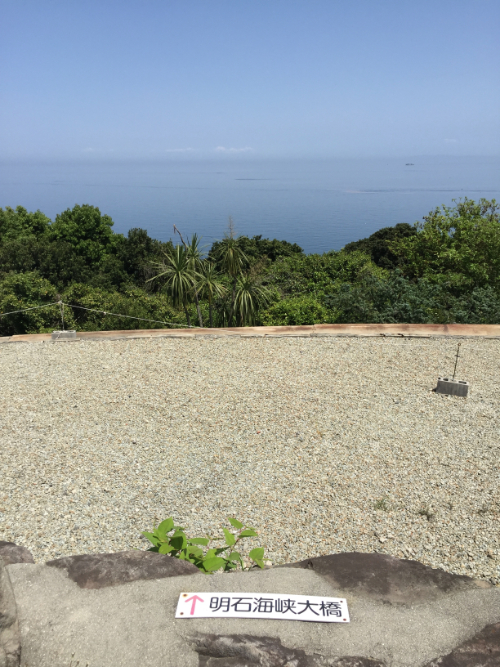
319, 204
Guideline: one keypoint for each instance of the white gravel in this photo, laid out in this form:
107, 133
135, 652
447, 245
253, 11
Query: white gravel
322, 444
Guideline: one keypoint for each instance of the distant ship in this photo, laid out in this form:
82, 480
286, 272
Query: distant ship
409, 164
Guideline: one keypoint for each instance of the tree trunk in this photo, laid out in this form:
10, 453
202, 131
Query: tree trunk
198, 309
187, 316
210, 314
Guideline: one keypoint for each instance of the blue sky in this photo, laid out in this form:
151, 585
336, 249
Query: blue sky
263, 78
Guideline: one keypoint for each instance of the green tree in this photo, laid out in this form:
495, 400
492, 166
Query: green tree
19, 223
459, 245
89, 232
19, 291
378, 245
209, 286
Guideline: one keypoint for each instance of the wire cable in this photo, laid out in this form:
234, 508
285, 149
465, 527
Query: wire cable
24, 310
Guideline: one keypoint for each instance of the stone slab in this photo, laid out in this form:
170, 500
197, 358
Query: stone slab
133, 623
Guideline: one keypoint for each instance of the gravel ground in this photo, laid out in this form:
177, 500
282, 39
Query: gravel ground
322, 444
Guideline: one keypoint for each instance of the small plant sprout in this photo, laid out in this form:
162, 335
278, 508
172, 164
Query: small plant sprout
381, 504
170, 539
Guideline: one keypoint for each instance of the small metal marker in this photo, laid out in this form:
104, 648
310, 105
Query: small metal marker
456, 360
450, 386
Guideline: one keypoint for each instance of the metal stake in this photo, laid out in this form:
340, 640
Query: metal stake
456, 360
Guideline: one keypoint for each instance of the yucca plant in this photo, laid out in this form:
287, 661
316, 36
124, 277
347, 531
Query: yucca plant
232, 259
209, 285
179, 277
249, 298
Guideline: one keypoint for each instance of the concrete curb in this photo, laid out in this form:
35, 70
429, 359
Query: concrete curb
311, 331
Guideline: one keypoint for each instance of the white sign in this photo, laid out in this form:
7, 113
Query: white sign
263, 605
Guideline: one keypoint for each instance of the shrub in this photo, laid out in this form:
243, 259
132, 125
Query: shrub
296, 311
28, 290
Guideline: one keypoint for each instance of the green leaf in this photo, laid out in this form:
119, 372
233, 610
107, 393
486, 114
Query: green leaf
165, 549
234, 555
260, 563
204, 541
248, 532
195, 551
230, 538
178, 542
211, 553
165, 527
257, 554
154, 540
212, 564
235, 523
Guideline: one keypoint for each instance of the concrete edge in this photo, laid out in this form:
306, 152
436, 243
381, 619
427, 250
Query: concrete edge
316, 330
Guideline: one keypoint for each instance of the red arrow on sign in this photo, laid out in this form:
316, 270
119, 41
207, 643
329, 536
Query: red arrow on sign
195, 599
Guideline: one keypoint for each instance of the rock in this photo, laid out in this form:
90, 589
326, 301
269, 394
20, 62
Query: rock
387, 579
248, 650
100, 570
12, 553
10, 639
403, 614
483, 650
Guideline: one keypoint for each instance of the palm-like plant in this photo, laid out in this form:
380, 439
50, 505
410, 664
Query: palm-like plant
249, 298
195, 254
232, 259
179, 277
209, 285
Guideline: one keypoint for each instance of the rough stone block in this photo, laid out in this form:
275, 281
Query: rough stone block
64, 335
452, 387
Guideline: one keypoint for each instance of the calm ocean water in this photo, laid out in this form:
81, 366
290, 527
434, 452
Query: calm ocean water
320, 205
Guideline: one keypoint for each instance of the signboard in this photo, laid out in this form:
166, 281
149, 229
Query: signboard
263, 606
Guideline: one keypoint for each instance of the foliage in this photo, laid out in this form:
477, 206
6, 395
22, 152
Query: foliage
19, 223
379, 245
232, 260
179, 275
296, 311
84, 228
172, 540
398, 299
28, 290
249, 299
445, 269
256, 249
133, 302
459, 245
316, 274
210, 286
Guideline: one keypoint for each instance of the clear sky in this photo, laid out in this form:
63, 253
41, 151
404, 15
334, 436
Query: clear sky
205, 78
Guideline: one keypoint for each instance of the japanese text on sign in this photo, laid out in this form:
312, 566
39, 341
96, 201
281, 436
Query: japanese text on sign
258, 605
